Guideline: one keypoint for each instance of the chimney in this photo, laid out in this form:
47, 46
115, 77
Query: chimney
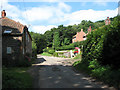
3, 14
81, 30
107, 18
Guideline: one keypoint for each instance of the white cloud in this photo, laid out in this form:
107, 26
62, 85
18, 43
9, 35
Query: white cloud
46, 12
12, 11
54, 15
42, 29
38, 14
90, 14
64, 6
20, 21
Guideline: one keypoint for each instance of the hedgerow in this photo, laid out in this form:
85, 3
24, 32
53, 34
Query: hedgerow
101, 54
103, 45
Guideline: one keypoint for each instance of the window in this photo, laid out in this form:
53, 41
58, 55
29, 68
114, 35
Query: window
7, 31
9, 50
84, 36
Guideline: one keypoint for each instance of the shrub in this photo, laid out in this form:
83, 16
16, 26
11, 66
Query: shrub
55, 54
111, 52
101, 53
71, 46
103, 45
51, 51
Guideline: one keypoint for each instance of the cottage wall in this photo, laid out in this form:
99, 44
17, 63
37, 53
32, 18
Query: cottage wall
14, 42
28, 42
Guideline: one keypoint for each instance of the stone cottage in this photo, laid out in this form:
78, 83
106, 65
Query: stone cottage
16, 40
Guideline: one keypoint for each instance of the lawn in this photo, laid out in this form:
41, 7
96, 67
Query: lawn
16, 77
46, 54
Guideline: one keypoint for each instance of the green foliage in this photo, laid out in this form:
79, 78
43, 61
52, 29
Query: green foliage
56, 40
55, 54
102, 73
112, 45
101, 54
78, 56
39, 41
46, 54
49, 50
16, 78
34, 49
102, 45
71, 46
62, 36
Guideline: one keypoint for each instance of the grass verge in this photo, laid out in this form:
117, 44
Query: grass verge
78, 56
102, 73
46, 54
16, 77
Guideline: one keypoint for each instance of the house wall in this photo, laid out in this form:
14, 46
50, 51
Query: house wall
79, 36
10, 41
27, 42
14, 42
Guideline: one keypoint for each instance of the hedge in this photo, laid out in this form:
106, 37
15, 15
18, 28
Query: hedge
103, 45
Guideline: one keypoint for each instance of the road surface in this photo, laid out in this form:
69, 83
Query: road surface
54, 72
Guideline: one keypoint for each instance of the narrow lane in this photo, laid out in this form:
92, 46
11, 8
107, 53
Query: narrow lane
54, 72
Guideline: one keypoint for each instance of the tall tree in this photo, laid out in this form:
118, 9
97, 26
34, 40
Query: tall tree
56, 40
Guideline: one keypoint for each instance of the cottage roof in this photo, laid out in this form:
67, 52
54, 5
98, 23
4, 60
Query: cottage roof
11, 23
5, 21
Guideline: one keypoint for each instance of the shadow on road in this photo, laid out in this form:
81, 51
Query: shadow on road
60, 76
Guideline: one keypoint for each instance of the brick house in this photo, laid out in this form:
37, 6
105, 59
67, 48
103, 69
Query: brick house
16, 40
89, 29
80, 36
107, 21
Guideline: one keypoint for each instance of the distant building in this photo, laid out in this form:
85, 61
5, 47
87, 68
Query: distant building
107, 21
89, 29
16, 40
80, 36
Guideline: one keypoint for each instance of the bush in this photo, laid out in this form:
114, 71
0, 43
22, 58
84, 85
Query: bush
71, 46
103, 45
101, 54
55, 54
111, 52
49, 50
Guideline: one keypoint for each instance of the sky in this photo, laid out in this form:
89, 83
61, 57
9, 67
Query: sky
42, 15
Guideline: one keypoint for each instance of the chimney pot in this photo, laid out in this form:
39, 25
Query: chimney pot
3, 13
81, 30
